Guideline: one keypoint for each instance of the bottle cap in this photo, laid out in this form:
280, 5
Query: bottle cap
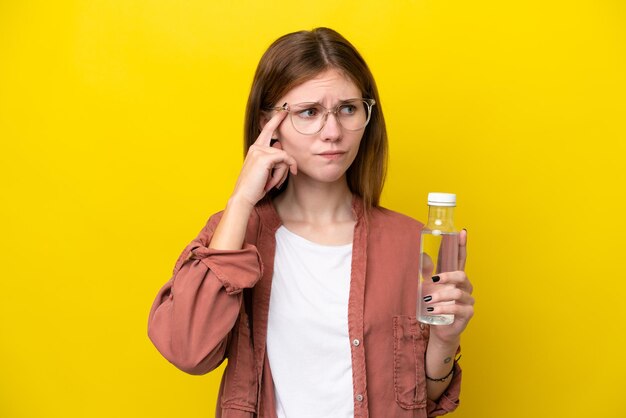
441, 199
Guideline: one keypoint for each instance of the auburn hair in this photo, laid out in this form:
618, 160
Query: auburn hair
300, 56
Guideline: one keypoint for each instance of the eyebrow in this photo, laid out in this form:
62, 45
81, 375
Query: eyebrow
341, 101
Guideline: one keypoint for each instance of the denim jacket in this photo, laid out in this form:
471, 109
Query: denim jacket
216, 306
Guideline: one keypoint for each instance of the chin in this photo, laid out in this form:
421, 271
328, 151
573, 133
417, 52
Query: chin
329, 178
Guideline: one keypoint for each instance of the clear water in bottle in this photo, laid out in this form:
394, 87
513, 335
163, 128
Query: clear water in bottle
440, 253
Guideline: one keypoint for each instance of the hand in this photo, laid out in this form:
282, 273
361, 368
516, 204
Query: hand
266, 166
453, 286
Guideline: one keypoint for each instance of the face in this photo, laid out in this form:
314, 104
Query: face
326, 155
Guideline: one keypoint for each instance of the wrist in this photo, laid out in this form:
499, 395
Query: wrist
239, 204
444, 378
444, 344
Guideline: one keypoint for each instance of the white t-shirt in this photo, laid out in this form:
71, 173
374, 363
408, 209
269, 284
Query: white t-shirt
308, 345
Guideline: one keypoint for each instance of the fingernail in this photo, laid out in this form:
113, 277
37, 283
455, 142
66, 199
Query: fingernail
428, 298
436, 279
465, 229
430, 309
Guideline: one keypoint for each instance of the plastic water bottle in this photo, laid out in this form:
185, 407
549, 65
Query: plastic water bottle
439, 253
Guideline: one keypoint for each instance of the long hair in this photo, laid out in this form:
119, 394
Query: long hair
300, 56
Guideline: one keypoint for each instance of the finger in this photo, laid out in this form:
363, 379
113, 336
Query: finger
293, 168
280, 165
274, 155
277, 175
449, 293
457, 278
265, 137
291, 162
427, 265
462, 249
460, 312
282, 181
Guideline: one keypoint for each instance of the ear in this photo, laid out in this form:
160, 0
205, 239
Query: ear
265, 117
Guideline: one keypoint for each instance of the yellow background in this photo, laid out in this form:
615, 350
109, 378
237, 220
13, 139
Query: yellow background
120, 133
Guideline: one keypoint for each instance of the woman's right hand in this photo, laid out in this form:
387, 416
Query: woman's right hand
265, 166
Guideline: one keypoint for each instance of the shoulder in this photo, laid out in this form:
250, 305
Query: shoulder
392, 232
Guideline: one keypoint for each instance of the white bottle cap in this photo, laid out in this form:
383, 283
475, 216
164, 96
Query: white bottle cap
441, 199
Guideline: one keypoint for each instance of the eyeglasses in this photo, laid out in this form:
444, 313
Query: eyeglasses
310, 118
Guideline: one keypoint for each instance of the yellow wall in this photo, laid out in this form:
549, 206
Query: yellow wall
120, 133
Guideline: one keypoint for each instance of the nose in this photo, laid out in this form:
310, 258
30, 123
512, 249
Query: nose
332, 129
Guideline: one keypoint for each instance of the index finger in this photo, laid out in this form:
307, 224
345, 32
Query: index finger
265, 137
462, 249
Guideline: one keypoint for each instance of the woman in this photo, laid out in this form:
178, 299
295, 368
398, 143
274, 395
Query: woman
303, 282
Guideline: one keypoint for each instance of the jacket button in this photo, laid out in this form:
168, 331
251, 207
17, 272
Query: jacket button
356, 342
359, 397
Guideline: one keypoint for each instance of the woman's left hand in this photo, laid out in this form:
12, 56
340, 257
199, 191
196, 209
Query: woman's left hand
453, 286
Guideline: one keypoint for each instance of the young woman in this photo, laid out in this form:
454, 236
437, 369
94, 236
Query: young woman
304, 283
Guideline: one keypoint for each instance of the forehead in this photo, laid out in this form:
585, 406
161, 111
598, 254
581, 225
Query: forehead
327, 87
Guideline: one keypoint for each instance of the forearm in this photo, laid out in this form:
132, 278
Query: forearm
439, 362
194, 312
231, 230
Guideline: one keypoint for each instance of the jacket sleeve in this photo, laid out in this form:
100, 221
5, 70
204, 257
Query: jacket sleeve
449, 401
194, 312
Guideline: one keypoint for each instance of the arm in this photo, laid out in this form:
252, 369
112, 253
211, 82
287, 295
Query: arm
194, 312
443, 396
444, 340
439, 363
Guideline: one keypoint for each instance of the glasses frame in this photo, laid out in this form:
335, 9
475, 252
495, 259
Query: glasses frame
334, 110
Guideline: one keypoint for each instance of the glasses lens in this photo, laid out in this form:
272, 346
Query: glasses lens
353, 115
309, 118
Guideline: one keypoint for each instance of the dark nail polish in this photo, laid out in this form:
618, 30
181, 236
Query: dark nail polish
436, 279
430, 309
428, 298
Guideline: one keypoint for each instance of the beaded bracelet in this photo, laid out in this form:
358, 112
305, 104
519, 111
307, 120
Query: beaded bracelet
443, 379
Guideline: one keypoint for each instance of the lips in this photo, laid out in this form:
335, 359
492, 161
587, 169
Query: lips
329, 153
332, 155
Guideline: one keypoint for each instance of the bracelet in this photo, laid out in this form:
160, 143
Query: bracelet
443, 379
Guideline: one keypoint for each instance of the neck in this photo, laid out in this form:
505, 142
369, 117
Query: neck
315, 203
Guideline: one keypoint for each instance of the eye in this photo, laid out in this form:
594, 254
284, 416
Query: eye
308, 112
348, 109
